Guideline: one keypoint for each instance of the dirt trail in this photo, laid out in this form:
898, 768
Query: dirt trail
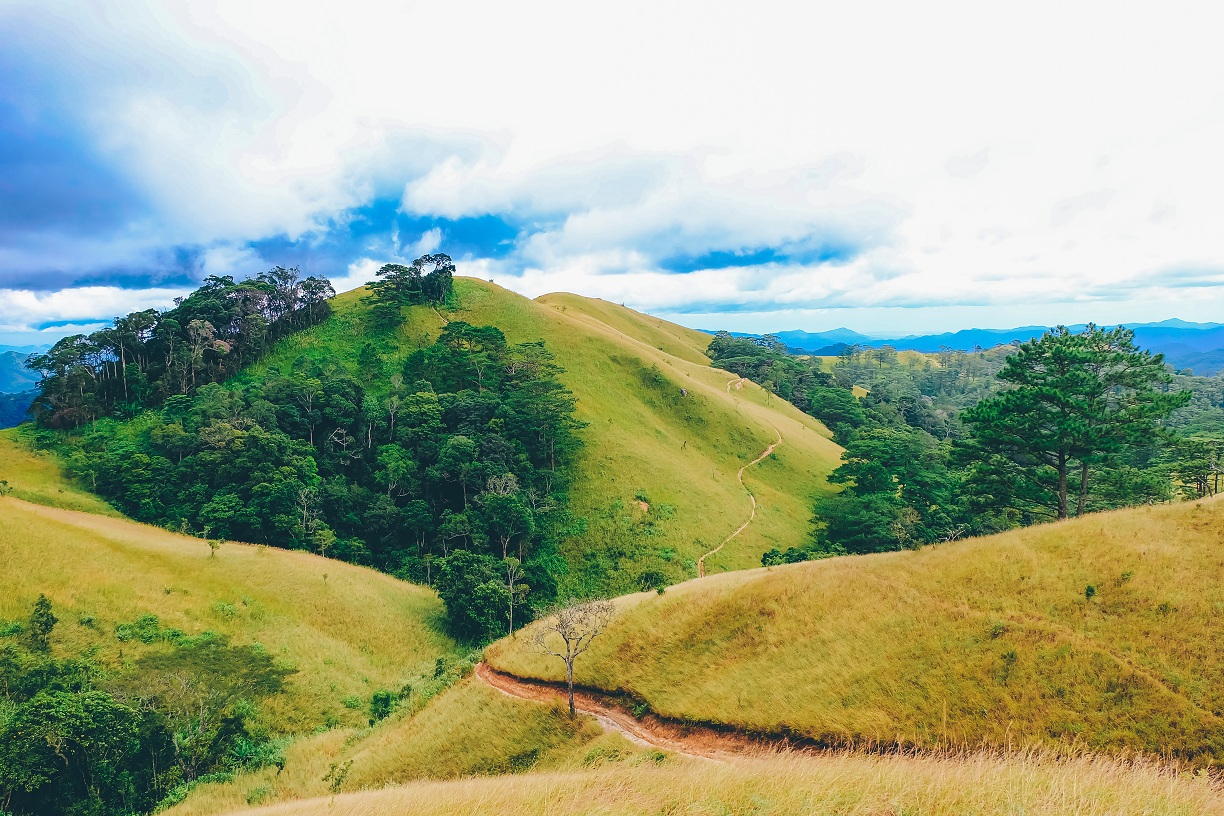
701, 570
691, 741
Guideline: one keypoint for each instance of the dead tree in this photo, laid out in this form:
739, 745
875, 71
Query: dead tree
576, 625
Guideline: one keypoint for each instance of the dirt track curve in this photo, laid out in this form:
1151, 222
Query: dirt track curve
691, 741
701, 570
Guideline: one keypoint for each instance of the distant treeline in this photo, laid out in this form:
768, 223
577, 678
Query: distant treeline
151, 355
962, 443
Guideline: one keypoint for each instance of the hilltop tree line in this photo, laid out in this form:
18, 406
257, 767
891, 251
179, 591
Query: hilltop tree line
149, 356
427, 280
448, 466
974, 443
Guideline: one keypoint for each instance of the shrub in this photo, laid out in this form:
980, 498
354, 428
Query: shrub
382, 703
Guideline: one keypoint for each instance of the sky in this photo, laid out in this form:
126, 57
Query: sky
890, 167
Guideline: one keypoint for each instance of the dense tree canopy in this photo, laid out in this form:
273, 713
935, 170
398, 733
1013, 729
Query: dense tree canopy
899, 493
149, 356
80, 738
960, 443
1077, 402
429, 279
802, 381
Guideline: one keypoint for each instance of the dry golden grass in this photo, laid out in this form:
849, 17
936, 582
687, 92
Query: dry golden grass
850, 784
348, 630
988, 642
469, 730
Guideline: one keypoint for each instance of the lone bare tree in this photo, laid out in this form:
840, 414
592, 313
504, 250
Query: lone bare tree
576, 624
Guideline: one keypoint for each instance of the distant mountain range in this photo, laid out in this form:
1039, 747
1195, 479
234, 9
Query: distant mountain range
14, 376
18, 384
1197, 346
24, 349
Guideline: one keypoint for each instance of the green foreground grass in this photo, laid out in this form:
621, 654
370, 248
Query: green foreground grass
849, 784
994, 642
37, 477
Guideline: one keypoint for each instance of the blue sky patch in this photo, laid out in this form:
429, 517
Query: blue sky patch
830, 252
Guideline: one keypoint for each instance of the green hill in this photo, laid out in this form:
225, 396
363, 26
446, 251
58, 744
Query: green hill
1099, 633
122, 591
655, 487
658, 469
995, 642
14, 376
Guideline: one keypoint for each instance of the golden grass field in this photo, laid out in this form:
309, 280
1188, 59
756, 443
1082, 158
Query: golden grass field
984, 642
789, 785
349, 631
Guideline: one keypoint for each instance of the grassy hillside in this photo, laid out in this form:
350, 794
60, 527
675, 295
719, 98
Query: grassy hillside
797, 786
646, 443
1100, 633
468, 730
348, 631
37, 477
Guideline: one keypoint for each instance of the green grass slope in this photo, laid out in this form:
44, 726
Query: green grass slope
37, 477
348, 631
988, 642
645, 442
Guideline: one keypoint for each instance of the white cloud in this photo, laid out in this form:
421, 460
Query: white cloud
428, 243
989, 156
358, 273
25, 310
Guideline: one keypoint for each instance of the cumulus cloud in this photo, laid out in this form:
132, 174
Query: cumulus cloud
795, 160
22, 310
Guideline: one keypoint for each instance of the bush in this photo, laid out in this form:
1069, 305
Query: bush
382, 703
146, 629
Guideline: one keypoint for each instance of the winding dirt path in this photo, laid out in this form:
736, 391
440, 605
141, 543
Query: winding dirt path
648, 732
701, 570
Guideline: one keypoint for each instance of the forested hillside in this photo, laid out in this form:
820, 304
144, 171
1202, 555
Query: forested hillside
138, 663
953, 444
508, 452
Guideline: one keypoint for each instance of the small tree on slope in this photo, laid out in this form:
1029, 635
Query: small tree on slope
576, 625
